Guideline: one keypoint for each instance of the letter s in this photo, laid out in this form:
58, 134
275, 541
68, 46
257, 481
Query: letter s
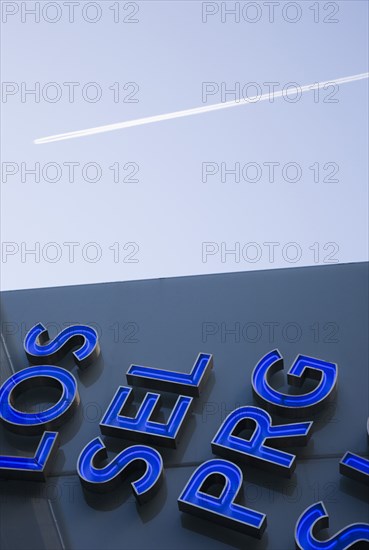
315, 518
102, 479
40, 350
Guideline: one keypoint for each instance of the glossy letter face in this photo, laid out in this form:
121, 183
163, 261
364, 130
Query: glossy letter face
303, 367
36, 423
228, 444
40, 349
141, 428
103, 479
158, 379
314, 519
221, 509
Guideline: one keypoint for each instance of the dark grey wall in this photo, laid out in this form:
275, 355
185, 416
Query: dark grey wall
162, 323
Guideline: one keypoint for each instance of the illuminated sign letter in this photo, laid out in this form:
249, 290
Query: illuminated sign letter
32, 468
315, 518
37, 422
108, 477
222, 509
228, 444
40, 350
355, 466
38, 466
158, 379
141, 428
303, 367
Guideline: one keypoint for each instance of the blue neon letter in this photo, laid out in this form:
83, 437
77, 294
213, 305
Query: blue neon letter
302, 368
35, 468
228, 444
356, 467
141, 428
106, 478
315, 518
40, 350
195, 500
159, 379
36, 423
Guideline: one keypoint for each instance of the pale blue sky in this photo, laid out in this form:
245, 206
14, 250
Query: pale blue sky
170, 212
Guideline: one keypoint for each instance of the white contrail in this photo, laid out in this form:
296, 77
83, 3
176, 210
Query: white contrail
196, 110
